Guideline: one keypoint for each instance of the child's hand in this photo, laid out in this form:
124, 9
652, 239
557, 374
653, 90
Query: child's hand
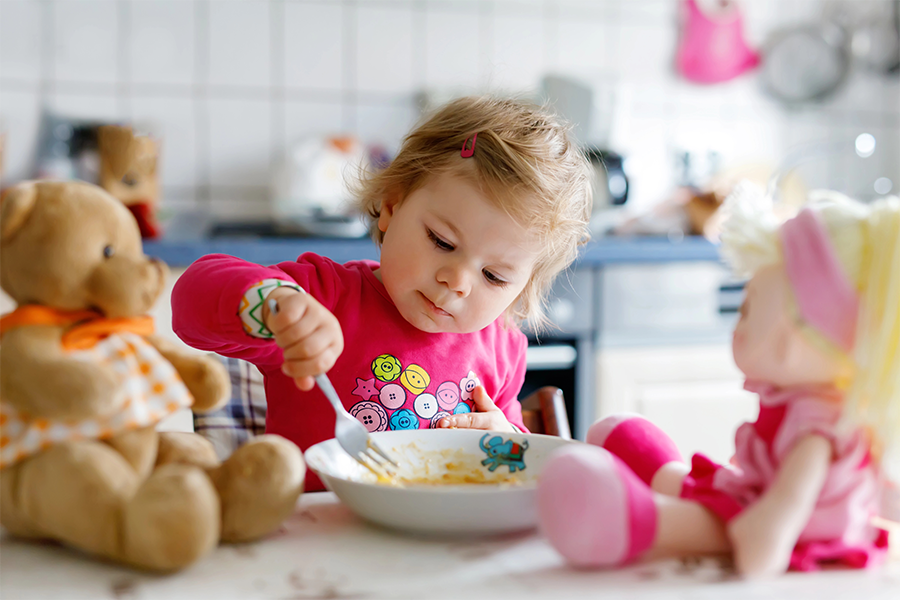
486, 415
308, 333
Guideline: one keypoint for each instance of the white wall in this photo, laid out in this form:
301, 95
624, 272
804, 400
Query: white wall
229, 84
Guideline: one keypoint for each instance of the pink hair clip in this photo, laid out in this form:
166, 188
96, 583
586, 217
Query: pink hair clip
467, 153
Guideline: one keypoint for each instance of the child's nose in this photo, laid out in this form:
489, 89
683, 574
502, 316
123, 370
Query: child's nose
457, 278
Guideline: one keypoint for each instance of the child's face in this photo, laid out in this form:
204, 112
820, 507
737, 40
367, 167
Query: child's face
769, 343
450, 260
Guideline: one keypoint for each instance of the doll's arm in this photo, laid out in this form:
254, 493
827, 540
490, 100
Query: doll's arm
764, 535
37, 377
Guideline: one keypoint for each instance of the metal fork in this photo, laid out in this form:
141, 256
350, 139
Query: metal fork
353, 436
350, 433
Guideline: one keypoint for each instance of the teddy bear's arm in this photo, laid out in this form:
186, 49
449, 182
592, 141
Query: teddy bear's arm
38, 378
205, 377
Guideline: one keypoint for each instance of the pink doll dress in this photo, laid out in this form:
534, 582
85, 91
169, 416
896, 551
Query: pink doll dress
840, 529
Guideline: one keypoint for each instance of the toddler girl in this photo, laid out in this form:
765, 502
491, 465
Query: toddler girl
485, 203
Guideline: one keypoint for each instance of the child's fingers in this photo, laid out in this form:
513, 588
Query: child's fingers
284, 308
291, 333
467, 421
305, 383
312, 345
482, 401
307, 367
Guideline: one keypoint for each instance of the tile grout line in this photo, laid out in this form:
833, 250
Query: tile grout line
278, 146
200, 98
349, 99
485, 17
48, 27
124, 60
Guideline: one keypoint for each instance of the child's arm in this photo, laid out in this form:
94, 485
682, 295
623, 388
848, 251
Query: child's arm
206, 302
308, 333
764, 535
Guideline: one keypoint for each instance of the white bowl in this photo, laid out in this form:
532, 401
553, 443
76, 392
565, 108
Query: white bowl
507, 504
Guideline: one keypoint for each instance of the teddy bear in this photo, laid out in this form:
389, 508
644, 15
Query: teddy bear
128, 172
83, 383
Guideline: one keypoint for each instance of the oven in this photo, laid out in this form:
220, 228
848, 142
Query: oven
563, 355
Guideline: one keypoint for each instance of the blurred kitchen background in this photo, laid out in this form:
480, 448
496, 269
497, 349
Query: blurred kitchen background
256, 108
229, 86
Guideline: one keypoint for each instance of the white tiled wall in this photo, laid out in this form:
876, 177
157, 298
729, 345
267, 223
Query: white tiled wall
229, 84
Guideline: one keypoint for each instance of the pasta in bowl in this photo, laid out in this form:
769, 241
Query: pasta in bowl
450, 481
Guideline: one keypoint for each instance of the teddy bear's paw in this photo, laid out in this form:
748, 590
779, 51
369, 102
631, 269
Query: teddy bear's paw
208, 381
172, 520
186, 448
259, 486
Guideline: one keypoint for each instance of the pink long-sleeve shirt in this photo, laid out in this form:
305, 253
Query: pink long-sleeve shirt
390, 374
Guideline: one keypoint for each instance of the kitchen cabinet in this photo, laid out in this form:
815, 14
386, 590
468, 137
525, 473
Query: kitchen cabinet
694, 393
664, 352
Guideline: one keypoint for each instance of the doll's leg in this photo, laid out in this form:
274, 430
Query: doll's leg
644, 447
87, 495
685, 528
258, 485
597, 512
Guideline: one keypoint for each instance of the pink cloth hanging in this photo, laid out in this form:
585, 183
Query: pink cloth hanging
712, 48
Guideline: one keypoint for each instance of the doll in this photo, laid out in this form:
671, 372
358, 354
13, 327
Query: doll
818, 340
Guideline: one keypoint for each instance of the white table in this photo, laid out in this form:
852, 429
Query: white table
324, 551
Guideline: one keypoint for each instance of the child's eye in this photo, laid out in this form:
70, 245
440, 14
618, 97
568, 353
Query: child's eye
493, 279
438, 241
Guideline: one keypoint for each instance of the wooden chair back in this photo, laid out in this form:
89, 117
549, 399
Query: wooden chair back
544, 411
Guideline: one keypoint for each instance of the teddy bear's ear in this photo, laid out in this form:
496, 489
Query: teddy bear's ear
15, 206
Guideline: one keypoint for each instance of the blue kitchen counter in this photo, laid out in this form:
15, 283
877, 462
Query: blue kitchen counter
609, 250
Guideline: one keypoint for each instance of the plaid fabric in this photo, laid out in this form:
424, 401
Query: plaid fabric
243, 417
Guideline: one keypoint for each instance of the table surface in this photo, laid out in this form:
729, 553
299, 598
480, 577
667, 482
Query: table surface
324, 551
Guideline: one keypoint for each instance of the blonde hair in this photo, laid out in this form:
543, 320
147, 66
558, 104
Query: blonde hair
866, 239
526, 161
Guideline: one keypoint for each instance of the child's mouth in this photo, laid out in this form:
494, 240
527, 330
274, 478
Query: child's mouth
434, 307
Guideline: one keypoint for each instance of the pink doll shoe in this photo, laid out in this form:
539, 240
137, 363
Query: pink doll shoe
593, 508
639, 443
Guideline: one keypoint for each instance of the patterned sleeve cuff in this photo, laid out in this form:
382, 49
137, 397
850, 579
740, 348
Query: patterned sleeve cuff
251, 310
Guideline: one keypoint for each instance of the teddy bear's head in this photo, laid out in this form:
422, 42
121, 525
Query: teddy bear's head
128, 164
70, 245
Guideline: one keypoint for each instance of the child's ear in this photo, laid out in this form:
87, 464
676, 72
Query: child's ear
388, 206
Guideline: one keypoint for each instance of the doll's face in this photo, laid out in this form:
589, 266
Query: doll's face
770, 345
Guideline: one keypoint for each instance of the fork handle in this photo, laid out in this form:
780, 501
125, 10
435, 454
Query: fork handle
325, 385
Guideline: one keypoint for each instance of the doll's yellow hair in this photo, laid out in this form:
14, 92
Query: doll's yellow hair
866, 238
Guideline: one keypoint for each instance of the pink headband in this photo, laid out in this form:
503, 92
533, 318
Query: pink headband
827, 299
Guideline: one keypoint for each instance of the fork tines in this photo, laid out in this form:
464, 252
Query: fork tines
377, 460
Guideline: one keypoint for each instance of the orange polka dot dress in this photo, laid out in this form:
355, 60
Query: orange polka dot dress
151, 390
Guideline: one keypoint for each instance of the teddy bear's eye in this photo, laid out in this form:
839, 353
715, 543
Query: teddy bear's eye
129, 179
108, 251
